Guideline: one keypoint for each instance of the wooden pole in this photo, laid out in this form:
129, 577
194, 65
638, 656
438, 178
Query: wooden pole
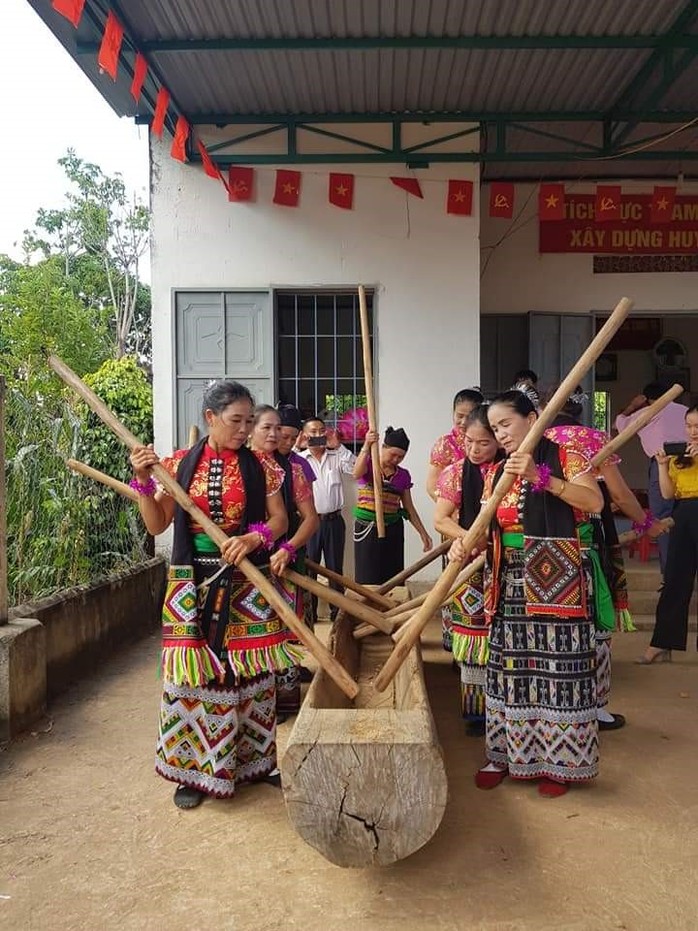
102, 477
368, 594
481, 523
194, 436
219, 537
415, 567
648, 413
371, 406
350, 606
4, 593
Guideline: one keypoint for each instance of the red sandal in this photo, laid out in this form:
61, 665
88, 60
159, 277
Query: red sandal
489, 778
551, 788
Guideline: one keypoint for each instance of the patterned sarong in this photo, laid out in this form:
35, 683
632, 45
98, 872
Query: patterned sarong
214, 738
466, 617
541, 686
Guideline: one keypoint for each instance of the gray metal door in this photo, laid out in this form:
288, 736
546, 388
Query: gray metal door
556, 341
220, 335
503, 350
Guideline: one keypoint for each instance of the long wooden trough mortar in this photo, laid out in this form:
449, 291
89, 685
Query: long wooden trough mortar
364, 780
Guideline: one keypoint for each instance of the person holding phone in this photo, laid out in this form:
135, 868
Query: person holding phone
666, 427
328, 459
678, 481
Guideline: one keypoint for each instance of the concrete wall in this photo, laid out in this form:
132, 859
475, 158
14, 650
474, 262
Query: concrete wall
423, 263
81, 628
517, 279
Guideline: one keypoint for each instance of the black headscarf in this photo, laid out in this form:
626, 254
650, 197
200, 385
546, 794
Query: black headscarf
396, 438
290, 416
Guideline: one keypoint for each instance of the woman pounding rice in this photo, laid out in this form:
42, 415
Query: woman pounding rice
376, 560
221, 732
540, 692
459, 494
303, 521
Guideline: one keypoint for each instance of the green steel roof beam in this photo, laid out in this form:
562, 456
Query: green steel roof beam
423, 147
370, 158
227, 143
341, 137
365, 43
630, 97
557, 137
462, 116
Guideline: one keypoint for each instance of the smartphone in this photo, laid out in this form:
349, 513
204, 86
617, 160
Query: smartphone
675, 449
319, 441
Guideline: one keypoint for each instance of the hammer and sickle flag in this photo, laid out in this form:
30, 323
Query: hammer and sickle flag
502, 199
607, 202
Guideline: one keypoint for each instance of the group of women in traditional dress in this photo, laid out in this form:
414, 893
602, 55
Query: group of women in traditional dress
531, 632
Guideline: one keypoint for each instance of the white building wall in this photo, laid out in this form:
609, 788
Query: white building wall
516, 279
423, 263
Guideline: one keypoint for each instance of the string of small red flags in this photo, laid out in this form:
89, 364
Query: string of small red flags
240, 183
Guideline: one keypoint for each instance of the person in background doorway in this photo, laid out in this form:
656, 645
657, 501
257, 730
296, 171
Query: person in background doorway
289, 434
526, 377
376, 560
666, 427
328, 459
678, 479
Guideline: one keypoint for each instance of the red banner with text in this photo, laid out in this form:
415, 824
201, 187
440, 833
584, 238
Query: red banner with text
634, 233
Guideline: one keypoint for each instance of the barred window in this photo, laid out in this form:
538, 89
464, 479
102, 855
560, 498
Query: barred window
318, 343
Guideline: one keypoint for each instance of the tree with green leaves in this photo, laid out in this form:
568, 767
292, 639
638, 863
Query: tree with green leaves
100, 238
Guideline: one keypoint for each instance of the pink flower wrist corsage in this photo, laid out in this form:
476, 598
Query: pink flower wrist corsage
146, 490
642, 528
290, 549
543, 481
265, 533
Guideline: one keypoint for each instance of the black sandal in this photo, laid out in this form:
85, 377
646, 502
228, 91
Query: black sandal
614, 725
273, 779
185, 797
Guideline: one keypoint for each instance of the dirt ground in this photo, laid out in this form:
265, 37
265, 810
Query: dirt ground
90, 839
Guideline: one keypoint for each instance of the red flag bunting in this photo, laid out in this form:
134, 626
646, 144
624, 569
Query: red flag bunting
71, 9
662, 206
210, 167
110, 49
161, 104
607, 202
502, 199
179, 143
341, 190
241, 183
411, 185
140, 71
460, 198
288, 188
551, 202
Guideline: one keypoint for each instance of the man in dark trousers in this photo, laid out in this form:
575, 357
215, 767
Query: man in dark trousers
328, 460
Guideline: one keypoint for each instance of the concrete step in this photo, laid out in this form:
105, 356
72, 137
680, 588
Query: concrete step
647, 580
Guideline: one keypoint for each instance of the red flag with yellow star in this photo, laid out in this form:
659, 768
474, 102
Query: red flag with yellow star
240, 183
341, 190
459, 199
161, 104
110, 49
662, 205
71, 9
607, 202
179, 143
287, 191
551, 202
502, 199
140, 72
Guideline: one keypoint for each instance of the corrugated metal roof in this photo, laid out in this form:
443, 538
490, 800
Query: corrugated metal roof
339, 18
388, 80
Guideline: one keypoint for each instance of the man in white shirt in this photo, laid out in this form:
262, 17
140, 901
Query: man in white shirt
669, 426
328, 459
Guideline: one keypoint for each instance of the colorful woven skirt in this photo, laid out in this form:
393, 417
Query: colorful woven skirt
470, 644
216, 737
541, 687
